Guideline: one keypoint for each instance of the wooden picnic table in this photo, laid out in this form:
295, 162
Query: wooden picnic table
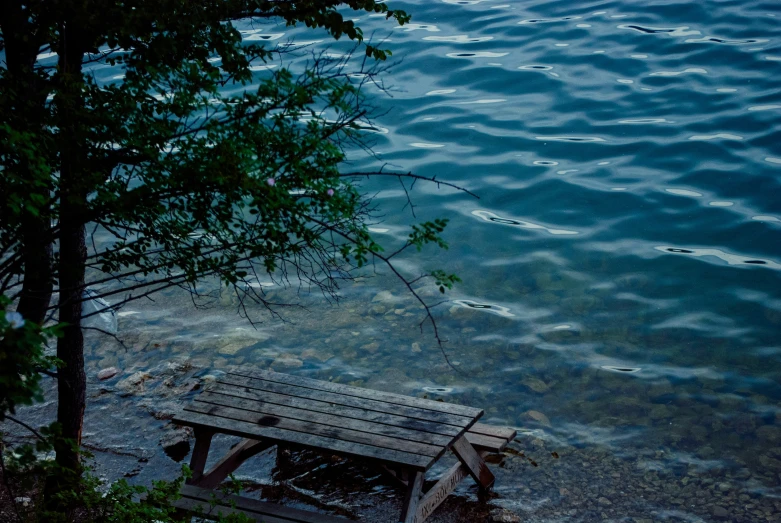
405, 435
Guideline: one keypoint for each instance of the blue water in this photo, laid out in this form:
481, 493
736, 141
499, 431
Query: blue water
625, 245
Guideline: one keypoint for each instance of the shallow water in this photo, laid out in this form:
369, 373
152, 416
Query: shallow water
622, 289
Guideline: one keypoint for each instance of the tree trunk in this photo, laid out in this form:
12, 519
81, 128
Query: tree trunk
71, 379
37, 252
20, 55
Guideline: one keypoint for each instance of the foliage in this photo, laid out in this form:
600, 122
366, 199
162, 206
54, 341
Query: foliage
191, 166
22, 359
90, 500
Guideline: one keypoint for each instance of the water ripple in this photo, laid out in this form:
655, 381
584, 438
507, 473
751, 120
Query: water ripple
493, 218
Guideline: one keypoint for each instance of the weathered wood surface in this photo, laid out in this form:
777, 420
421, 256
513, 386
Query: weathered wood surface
195, 497
346, 400
359, 392
279, 422
321, 405
203, 440
473, 462
442, 489
494, 431
217, 400
481, 442
412, 497
231, 461
320, 443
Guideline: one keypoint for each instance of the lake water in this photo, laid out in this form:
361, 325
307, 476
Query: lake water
621, 303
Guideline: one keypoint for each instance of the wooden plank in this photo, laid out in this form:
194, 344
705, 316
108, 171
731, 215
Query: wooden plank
255, 507
310, 427
359, 392
494, 431
346, 400
231, 461
441, 490
204, 510
203, 439
473, 462
324, 419
320, 443
480, 442
339, 410
414, 489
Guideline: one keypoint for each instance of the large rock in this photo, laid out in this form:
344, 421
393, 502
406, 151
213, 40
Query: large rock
384, 297
176, 444
134, 384
538, 417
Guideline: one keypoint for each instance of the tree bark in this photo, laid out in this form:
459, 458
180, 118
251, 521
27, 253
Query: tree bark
71, 378
37, 258
21, 51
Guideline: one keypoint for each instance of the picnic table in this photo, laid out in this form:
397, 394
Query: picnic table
403, 434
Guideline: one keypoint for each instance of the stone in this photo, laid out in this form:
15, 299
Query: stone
107, 373
538, 417
371, 347
379, 309
604, 501
232, 348
384, 297
319, 355
416, 347
134, 383
176, 444
535, 385
502, 515
719, 512
286, 361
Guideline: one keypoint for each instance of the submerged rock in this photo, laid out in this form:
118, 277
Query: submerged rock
134, 383
286, 361
535, 385
384, 297
538, 417
108, 373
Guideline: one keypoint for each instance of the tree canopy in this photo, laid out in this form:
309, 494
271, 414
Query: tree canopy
192, 163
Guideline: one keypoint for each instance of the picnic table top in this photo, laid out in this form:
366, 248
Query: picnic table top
354, 421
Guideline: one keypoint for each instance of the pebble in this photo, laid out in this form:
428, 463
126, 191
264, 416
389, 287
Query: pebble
416, 347
107, 373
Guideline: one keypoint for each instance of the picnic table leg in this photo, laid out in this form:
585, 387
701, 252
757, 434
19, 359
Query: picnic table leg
203, 439
474, 463
231, 461
409, 510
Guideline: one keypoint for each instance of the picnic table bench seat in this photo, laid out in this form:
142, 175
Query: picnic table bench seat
210, 504
404, 434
